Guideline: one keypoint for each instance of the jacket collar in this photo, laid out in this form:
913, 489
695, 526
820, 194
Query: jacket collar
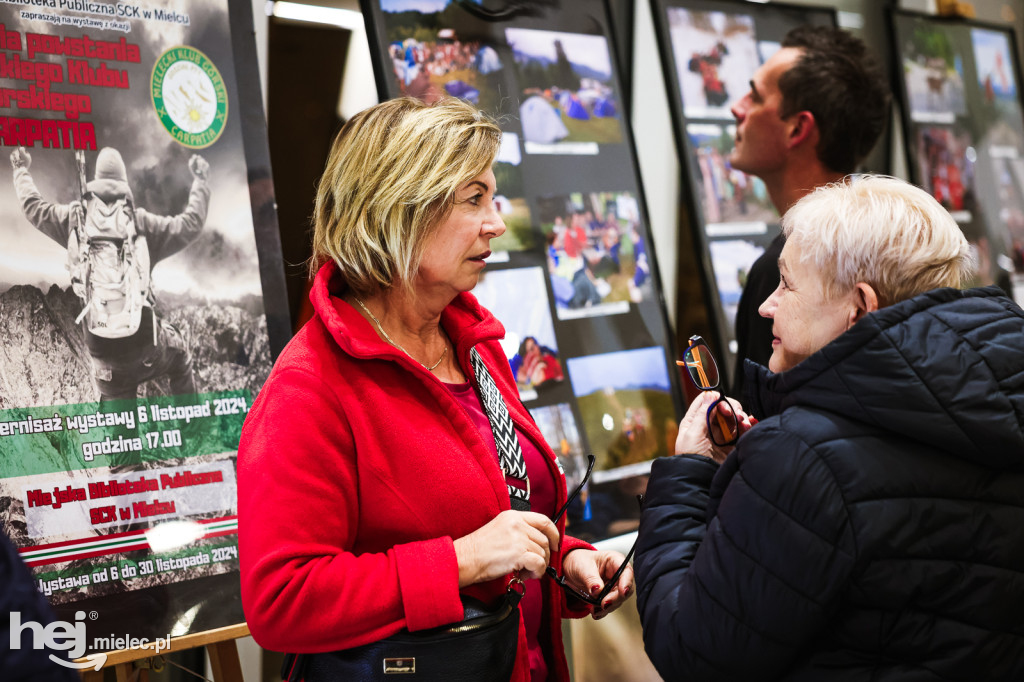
769, 393
466, 322
921, 368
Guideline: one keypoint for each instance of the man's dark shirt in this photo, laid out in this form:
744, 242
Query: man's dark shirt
753, 332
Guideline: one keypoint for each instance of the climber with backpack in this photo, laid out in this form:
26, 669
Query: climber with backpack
112, 247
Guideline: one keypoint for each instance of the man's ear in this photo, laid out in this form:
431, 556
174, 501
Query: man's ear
804, 129
865, 300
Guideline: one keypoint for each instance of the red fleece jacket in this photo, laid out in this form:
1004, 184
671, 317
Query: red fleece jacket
356, 470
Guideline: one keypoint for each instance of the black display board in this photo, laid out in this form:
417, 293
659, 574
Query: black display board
963, 123
710, 49
575, 272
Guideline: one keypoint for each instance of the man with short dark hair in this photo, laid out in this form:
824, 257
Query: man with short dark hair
814, 111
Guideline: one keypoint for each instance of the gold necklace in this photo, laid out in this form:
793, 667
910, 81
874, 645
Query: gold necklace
392, 342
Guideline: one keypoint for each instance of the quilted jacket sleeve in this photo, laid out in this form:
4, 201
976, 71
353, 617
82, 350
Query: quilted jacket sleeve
737, 594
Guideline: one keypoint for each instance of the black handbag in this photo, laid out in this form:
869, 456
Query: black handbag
481, 646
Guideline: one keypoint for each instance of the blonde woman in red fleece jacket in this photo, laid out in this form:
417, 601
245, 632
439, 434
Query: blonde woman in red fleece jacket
369, 486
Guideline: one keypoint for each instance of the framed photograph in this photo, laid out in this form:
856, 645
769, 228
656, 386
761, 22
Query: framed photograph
567, 92
625, 401
933, 73
727, 195
946, 157
715, 53
518, 298
997, 78
1009, 174
711, 49
430, 59
596, 252
731, 260
511, 200
558, 424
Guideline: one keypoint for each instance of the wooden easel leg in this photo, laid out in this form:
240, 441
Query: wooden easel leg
224, 661
123, 672
92, 676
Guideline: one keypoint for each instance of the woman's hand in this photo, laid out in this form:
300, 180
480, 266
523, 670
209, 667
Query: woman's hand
587, 569
510, 542
694, 437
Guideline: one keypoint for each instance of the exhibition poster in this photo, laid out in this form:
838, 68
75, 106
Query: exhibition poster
133, 331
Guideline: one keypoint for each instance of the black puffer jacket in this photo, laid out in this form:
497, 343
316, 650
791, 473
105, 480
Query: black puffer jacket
872, 529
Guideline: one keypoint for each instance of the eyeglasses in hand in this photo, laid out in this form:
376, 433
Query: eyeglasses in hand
703, 370
593, 600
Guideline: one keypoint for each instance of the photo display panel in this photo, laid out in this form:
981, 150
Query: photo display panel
573, 279
964, 129
138, 302
710, 50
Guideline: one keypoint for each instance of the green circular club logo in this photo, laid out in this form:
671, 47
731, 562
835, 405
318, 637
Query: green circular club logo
189, 96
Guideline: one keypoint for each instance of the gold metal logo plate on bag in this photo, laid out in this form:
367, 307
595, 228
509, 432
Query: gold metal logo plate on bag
399, 666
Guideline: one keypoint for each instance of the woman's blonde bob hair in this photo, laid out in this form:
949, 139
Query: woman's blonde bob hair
390, 180
882, 231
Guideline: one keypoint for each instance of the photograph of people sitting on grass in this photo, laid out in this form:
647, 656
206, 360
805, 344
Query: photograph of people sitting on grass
431, 60
597, 257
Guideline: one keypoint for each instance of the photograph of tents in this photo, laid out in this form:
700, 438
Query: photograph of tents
715, 55
567, 87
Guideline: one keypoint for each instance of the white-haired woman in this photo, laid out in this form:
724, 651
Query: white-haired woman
871, 526
371, 487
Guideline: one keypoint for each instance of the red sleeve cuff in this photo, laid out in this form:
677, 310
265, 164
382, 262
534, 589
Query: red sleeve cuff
428, 577
572, 607
570, 543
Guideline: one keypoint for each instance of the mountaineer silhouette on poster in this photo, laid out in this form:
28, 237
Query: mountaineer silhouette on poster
112, 246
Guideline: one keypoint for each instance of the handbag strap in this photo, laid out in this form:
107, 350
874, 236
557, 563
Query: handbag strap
510, 454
